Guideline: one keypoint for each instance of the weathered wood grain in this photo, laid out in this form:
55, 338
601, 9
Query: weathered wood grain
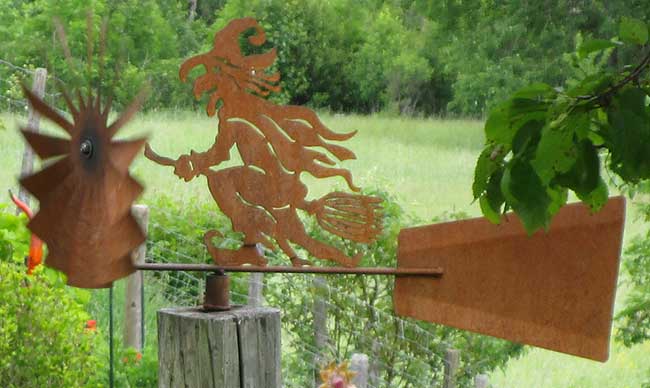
256, 289
33, 122
359, 364
229, 349
481, 381
133, 325
452, 362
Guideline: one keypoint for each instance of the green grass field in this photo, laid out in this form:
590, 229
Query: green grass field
426, 163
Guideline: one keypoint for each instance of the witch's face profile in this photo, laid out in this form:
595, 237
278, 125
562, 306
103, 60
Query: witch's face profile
228, 72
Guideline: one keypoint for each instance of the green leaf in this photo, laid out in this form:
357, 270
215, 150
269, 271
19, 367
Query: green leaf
556, 152
505, 120
591, 85
497, 124
488, 162
525, 193
535, 91
595, 138
628, 135
593, 45
493, 215
527, 137
632, 99
633, 31
597, 198
559, 197
598, 126
492, 200
584, 175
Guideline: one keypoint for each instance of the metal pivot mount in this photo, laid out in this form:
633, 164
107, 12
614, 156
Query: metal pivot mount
217, 292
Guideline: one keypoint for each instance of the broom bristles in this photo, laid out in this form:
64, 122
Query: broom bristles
351, 216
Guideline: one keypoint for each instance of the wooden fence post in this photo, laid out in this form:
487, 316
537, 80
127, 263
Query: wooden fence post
133, 309
255, 289
33, 123
256, 284
481, 381
359, 364
452, 362
230, 349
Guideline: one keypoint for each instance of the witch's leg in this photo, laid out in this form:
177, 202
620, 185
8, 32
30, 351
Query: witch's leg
290, 226
249, 220
296, 261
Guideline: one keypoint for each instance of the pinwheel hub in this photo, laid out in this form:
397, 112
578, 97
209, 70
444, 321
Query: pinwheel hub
86, 148
91, 144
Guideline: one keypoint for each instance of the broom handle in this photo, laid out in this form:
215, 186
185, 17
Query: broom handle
150, 154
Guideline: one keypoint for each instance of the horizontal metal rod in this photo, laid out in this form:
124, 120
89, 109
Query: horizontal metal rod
432, 272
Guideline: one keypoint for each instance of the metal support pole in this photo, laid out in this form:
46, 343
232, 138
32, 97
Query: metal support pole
111, 372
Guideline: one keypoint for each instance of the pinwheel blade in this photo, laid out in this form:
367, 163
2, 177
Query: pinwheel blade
46, 146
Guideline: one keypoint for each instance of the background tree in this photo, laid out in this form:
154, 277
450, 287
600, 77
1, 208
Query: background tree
410, 56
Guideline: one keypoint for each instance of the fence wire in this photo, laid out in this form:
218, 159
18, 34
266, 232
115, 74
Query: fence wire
423, 347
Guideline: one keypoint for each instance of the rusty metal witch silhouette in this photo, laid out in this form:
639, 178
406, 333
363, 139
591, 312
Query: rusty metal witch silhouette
276, 144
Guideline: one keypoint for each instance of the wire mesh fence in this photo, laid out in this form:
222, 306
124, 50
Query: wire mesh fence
355, 314
11, 99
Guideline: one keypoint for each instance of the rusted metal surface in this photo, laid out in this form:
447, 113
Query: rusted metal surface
554, 290
277, 144
86, 193
217, 292
426, 272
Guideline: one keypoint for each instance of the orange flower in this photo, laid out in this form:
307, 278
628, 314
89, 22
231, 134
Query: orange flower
125, 360
91, 325
138, 356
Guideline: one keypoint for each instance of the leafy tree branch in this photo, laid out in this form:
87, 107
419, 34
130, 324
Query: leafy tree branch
543, 142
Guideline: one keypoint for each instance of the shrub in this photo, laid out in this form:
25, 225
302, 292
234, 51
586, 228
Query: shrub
634, 319
43, 342
14, 236
135, 369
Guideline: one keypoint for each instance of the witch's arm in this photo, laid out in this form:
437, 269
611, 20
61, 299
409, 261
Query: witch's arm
200, 162
189, 166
